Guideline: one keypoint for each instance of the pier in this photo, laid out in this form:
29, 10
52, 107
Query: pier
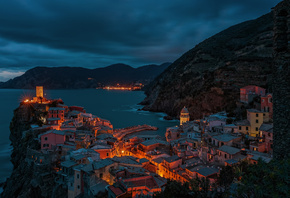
121, 133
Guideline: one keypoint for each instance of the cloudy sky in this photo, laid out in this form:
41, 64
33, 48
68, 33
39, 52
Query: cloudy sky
97, 33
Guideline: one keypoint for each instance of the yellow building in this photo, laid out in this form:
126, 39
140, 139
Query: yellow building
39, 91
184, 115
255, 119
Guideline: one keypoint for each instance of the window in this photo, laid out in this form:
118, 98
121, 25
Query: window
45, 138
222, 143
269, 134
225, 156
78, 186
257, 129
263, 100
257, 121
107, 154
78, 176
247, 128
101, 175
44, 145
257, 115
240, 128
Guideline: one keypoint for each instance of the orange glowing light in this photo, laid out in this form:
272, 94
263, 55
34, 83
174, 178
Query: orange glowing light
27, 100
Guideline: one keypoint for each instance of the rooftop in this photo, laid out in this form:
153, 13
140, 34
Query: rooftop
224, 137
142, 160
172, 158
102, 163
266, 127
243, 123
148, 181
231, 161
56, 109
154, 141
68, 163
207, 171
125, 160
254, 111
228, 149
116, 191
184, 110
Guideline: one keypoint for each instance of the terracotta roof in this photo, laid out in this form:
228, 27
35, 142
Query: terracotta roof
116, 191
141, 181
184, 110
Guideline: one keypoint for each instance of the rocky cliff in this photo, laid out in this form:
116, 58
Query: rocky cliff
28, 179
207, 78
78, 77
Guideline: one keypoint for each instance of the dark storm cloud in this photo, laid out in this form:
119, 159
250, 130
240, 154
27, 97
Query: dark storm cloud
94, 33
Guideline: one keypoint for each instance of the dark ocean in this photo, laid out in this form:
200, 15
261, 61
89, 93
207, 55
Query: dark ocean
120, 107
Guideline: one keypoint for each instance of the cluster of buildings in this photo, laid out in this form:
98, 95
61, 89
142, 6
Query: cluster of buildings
87, 156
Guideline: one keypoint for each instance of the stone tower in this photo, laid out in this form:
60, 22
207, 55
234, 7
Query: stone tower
184, 115
39, 91
281, 80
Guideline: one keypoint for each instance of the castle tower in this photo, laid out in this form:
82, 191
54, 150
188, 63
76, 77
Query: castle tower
184, 115
39, 91
281, 81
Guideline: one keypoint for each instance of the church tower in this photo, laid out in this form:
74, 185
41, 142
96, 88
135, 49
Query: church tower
184, 115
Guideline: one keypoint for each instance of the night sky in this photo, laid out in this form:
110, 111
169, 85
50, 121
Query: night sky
95, 33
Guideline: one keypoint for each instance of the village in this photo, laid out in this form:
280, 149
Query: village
87, 156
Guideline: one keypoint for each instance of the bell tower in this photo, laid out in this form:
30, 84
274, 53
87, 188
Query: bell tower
184, 115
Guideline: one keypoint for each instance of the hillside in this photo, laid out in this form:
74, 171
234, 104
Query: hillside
78, 77
207, 78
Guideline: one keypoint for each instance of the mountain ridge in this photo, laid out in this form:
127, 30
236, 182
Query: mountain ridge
207, 78
66, 77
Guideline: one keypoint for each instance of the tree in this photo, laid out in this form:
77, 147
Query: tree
264, 180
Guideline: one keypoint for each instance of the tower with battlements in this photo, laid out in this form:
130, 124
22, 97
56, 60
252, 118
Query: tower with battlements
39, 91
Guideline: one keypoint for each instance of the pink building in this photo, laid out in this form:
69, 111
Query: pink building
266, 132
249, 92
267, 104
56, 112
53, 138
53, 121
